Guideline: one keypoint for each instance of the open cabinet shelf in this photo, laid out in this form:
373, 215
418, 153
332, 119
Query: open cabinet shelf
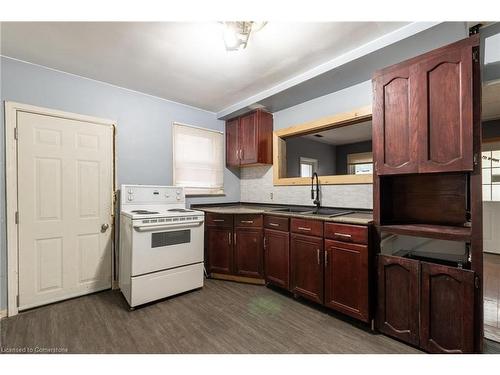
440, 232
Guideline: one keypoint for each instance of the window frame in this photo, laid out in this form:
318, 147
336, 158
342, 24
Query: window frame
199, 191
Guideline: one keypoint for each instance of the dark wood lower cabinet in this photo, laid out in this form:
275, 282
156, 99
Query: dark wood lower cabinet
219, 250
306, 255
277, 257
346, 278
398, 298
248, 252
446, 309
426, 304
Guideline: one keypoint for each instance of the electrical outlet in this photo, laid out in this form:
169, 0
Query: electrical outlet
271, 195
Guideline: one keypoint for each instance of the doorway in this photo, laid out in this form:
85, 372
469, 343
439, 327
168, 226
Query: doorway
490, 160
60, 183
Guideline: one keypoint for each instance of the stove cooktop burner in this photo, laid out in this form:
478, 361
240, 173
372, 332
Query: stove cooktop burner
144, 212
179, 210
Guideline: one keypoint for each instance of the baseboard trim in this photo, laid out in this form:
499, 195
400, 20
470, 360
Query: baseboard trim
240, 279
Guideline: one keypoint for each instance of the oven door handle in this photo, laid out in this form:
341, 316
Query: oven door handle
151, 228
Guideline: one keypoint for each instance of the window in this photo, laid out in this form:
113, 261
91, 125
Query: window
491, 175
198, 160
360, 163
308, 167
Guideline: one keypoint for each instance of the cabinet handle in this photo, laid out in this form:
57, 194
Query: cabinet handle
274, 224
218, 220
241, 153
264, 242
342, 235
326, 258
317, 256
234, 238
237, 154
304, 228
229, 236
247, 221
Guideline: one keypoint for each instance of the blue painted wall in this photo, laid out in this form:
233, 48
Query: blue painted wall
144, 128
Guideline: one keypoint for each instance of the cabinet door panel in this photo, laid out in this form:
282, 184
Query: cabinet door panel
346, 278
398, 298
248, 252
248, 139
219, 250
232, 143
447, 309
444, 98
277, 257
306, 257
394, 128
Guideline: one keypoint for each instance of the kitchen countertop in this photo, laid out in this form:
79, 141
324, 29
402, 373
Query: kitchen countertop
358, 217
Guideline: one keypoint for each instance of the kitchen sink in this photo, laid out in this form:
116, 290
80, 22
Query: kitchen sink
299, 210
330, 212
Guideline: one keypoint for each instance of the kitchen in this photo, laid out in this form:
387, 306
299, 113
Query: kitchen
338, 212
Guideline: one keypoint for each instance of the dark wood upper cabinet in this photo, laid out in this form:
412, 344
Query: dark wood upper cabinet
306, 258
232, 143
398, 298
423, 112
248, 252
346, 278
447, 309
444, 98
277, 257
394, 125
219, 249
249, 139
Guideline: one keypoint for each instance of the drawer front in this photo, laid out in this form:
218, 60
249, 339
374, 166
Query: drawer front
276, 222
218, 220
245, 221
347, 233
306, 226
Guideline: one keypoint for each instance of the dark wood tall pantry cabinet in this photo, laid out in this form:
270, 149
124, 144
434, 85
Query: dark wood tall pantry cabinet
249, 139
427, 184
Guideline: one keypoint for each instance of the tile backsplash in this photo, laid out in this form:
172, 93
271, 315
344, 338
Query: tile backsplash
257, 186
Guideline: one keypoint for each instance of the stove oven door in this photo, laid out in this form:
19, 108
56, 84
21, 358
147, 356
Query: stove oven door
161, 247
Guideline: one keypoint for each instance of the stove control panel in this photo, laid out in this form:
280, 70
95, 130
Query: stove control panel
151, 194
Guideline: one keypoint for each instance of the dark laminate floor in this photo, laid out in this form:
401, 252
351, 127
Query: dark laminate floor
223, 317
492, 296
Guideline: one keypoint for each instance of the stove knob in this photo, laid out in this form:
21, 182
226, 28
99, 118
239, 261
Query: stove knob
130, 198
130, 191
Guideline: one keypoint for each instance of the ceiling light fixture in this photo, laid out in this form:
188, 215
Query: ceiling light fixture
236, 33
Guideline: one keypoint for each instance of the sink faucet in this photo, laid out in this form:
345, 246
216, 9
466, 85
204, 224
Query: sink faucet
316, 201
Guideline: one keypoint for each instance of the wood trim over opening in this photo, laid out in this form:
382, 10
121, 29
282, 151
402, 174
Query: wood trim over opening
11, 182
330, 122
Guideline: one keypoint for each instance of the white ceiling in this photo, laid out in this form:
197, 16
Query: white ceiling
345, 134
186, 62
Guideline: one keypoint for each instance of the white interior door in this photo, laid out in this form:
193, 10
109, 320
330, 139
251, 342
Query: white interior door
491, 227
64, 199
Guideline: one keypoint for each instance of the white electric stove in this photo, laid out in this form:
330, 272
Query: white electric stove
161, 243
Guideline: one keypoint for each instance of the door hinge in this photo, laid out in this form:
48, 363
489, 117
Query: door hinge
15, 133
475, 55
17, 300
474, 159
16, 218
476, 282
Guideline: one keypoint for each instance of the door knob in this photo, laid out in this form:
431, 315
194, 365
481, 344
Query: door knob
104, 227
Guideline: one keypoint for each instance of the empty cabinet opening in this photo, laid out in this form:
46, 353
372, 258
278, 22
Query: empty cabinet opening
425, 199
449, 253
